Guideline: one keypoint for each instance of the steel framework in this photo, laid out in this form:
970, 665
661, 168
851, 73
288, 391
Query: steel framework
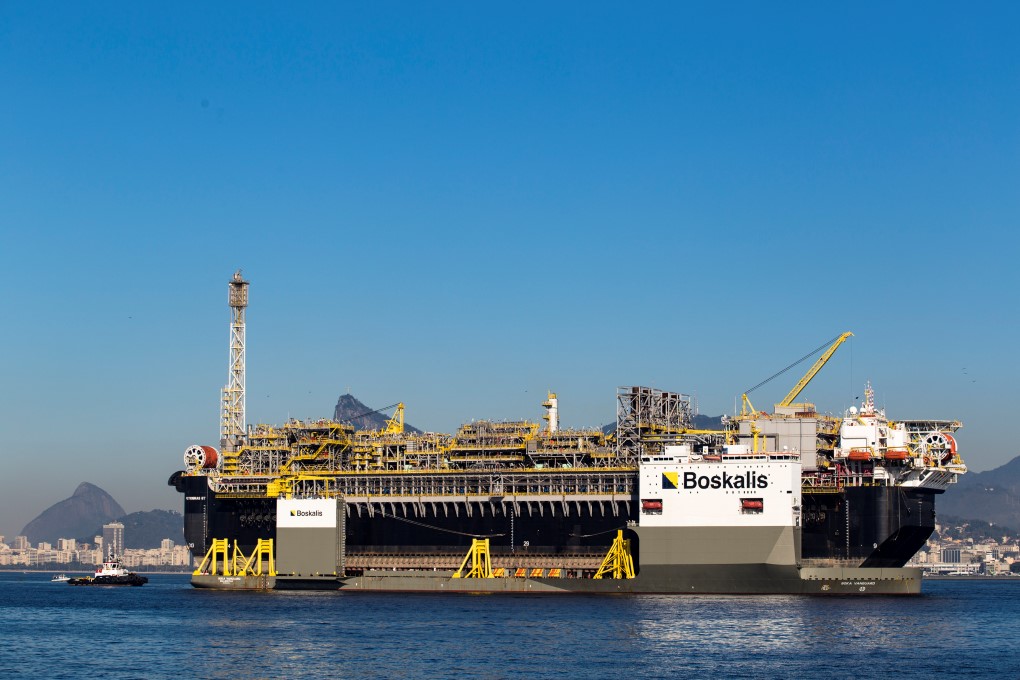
232, 424
643, 413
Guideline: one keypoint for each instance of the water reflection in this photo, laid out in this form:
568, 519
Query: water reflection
172, 630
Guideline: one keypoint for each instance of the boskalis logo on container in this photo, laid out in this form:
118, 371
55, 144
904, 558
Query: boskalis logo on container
719, 480
306, 512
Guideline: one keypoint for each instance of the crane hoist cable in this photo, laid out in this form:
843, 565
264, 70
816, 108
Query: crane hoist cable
433, 527
368, 413
827, 343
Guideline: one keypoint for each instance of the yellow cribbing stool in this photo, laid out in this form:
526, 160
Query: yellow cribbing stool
478, 555
252, 566
618, 562
218, 550
238, 561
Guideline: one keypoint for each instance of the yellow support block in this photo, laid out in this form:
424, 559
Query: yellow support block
238, 561
217, 552
478, 556
618, 562
252, 566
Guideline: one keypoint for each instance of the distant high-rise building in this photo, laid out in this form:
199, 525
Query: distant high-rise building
166, 544
20, 543
67, 544
113, 539
951, 555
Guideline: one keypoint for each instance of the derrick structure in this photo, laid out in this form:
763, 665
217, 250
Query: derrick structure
647, 417
232, 422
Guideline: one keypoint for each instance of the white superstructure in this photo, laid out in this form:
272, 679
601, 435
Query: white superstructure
918, 454
112, 567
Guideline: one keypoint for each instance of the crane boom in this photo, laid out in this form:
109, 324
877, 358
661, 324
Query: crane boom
395, 425
799, 387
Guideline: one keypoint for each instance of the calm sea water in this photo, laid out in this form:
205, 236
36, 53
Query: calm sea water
168, 629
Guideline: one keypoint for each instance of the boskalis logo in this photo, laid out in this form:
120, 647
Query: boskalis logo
306, 513
723, 480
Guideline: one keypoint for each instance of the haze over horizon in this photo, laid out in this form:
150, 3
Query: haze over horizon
461, 207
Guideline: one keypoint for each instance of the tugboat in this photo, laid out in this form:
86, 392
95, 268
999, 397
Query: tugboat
110, 574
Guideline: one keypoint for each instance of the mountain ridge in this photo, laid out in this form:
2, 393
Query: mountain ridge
350, 410
83, 515
991, 496
88, 507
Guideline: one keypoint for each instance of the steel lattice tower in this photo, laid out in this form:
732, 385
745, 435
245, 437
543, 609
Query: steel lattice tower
232, 422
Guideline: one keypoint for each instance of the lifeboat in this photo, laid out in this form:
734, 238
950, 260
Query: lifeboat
752, 504
897, 454
713, 458
859, 454
651, 505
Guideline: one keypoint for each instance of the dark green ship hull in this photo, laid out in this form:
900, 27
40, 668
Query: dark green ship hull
721, 579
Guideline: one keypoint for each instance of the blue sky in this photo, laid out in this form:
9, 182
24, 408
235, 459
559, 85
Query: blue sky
462, 206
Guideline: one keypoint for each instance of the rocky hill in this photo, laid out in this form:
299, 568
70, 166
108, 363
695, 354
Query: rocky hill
83, 515
350, 410
89, 507
992, 496
147, 529
708, 422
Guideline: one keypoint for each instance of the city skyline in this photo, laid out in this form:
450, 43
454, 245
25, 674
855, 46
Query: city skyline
43, 555
461, 208
986, 552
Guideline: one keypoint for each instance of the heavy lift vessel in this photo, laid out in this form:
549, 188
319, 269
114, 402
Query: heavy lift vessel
791, 501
